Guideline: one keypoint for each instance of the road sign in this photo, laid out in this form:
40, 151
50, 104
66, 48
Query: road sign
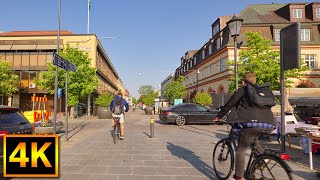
63, 63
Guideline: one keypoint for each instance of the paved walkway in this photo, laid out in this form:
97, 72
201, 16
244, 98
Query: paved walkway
175, 153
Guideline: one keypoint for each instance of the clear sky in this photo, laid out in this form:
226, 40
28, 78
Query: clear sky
154, 34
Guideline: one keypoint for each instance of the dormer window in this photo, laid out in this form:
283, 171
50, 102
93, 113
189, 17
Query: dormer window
297, 13
277, 35
318, 12
203, 54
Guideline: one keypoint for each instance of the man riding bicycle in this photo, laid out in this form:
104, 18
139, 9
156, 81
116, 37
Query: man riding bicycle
252, 120
117, 107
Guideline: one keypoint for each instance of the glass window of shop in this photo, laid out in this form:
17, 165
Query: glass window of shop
25, 79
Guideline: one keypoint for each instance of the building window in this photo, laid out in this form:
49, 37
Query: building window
195, 61
222, 68
277, 35
203, 54
216, 29
318, 12
210, 49
310, 60
218, 43
305, 34
297, 13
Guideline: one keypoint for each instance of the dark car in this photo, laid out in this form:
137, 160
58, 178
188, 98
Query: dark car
182, 114
12, 121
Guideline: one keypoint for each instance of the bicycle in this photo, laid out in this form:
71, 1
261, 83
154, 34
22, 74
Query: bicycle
260, 166
116, 130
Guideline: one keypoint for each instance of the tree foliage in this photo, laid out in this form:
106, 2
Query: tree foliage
146, 89
134, 100
9, 81
149, 98
262, 60
104, 99
176, 89
203, 98
80, 83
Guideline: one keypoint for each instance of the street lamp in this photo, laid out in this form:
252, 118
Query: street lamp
234, 27
198, 72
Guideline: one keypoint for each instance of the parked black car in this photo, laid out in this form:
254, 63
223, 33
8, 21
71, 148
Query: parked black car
12, 121
182, 114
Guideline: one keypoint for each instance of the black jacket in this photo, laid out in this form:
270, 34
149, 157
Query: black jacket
242, 112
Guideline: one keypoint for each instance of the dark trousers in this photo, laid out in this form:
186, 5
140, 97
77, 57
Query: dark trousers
246, 138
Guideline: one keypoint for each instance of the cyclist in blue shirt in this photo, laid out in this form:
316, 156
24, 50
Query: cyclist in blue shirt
251, 119
123, 104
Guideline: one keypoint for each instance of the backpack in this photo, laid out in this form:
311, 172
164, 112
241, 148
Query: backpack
260, 95
117, 109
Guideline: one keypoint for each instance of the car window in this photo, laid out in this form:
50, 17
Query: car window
11, 118
201, 108
181, 108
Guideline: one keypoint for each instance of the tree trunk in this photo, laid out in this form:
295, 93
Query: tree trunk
72, 112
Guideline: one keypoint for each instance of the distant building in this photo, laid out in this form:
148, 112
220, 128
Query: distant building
164, 84
28, 52
268, 19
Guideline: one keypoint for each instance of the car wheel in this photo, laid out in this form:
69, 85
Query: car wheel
180, 121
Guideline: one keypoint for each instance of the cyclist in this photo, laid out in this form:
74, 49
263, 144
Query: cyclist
119, 101
251, 119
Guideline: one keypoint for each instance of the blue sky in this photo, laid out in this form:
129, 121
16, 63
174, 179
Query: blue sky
154, 34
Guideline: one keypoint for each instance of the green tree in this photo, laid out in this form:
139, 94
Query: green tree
80, 83
176, 89
9, 81
146, 89
261, 59
134, 100
149, 98
104, 99
203, 98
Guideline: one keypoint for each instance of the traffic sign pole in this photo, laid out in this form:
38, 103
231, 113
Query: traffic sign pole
66, 133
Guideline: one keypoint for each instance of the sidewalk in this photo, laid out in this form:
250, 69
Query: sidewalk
176, 152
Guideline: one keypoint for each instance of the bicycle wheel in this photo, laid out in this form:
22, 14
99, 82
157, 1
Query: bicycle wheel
115, 134
270, 167
223, 159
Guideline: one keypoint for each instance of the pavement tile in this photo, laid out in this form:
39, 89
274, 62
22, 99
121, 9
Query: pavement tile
84, 162
103, 177
192, 178
84, 156
142, 157
131, 177
170, 171
160, 177
102, 156
178, 163
107, 162
122, 156
154, 163
145, 171
120, 170
76, 177
135, 163
72, 169
95, 169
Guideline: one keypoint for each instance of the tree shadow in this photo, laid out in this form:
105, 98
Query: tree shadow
194, 160
76, 130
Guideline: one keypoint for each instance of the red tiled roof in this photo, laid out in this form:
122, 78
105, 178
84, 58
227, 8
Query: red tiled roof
36, 33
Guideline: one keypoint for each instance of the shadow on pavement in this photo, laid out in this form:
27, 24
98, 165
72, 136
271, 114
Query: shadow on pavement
81, 125
194, 160
185, 128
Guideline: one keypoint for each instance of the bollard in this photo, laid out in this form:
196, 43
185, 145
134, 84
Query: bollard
151, 128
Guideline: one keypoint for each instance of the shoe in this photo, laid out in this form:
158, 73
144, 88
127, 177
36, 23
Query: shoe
113, 126
121, 137
235, 178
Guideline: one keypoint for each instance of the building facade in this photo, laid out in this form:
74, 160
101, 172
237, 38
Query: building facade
206, 70
28, 53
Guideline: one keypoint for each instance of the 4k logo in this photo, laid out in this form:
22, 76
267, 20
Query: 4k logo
30, 156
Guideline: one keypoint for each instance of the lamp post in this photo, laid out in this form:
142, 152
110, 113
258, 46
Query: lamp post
198, 72
234, 27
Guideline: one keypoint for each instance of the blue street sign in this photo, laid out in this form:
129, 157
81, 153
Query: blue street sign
63, 63
59, 92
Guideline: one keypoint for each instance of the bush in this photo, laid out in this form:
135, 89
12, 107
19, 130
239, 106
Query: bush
104, 99
203, 99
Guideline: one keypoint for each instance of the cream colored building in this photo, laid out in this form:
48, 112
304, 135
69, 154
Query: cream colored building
28, 52
206, 70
